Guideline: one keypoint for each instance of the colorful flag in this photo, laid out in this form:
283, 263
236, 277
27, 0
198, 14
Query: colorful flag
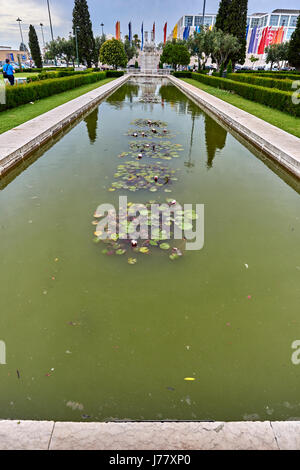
118, 33
142, 31
186, 33
256, 40
251, 42
175, 32
130, 31
165, 33
280, 35
262, 43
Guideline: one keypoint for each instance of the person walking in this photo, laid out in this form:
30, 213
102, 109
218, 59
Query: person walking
8, 72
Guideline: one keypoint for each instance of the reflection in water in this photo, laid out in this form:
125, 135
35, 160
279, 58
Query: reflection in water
182, 103
189, 163
215, 137
118, 98
91, 123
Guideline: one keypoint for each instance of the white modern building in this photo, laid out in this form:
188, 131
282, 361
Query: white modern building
263, 29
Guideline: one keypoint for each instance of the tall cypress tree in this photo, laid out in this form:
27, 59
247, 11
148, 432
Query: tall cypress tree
222, 14
294, 47
35, 47
86, 42
236, 24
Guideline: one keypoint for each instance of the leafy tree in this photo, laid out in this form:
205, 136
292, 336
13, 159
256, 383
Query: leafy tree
229, 67
253, 59
61, 48
137, 41
223, 46
294, 47
23, 47
236, 24
130, 49
200, 45
175, 54
86, 42
277, 53
222, 14
99, 40
35, 47
112, 52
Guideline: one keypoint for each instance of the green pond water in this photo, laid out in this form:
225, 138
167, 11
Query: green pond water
89, 336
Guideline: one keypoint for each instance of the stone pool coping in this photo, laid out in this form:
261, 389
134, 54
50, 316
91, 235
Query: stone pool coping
272, 141
19, 142
168, 435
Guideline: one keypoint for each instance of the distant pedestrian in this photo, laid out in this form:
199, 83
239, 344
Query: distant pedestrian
8, 72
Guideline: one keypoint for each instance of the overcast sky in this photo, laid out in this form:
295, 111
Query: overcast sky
108, 12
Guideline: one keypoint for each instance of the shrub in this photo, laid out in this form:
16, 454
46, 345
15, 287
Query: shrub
273, 98
264, 81
229, 67
18, 95
114, 73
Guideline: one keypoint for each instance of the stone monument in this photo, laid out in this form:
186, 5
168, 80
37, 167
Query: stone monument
149, 56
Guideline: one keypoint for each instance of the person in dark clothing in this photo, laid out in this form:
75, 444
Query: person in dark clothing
8, 72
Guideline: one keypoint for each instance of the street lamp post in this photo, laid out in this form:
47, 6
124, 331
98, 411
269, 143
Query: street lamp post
76, 30
51, 28
19, 21
50, 20
204, 5
102, 24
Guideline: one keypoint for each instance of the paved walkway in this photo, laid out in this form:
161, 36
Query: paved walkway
47, 435
18, 143
276, 143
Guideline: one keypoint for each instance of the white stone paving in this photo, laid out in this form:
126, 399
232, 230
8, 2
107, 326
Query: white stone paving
246, 435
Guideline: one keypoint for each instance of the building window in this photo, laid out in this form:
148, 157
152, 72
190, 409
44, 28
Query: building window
284, 20
293, 21
207, 20
274, 20
289, 34
254, 22
198, 20
188, 21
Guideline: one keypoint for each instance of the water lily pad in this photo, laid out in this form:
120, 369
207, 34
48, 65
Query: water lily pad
120, 252
164, 246
144, 250
132, 260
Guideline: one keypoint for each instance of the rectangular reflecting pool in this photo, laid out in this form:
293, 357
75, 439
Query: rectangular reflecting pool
91, 337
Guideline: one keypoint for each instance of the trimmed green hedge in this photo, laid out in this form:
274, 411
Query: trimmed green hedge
58, 74
264, 81
22, 94
280, 75
273, 98
114, 73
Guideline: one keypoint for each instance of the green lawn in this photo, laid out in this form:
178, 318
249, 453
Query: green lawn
279, 119
16, 116
24, 74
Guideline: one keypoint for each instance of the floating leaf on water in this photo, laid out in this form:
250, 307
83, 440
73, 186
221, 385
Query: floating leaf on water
153, 243
97, 240
164, 246
120, 252
174, 256
144, 250
104, 252
132, 260
189, 379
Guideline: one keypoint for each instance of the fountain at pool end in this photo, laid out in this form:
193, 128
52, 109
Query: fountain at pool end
150, 56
